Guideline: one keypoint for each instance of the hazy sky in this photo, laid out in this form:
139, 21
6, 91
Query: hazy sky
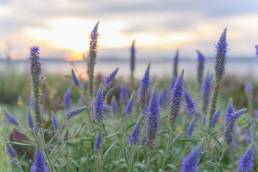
62, 27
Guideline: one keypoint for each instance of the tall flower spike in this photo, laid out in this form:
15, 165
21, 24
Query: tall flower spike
214, 119
190, 162
99, 141
67, 99
143, 92
114, 105
206, 93
256, 48
189, 104
123, 94
129, 107
132, 61
152, 119
98, 105
163, 97
11, 151
229, 127
134, 135
175, 64
35, 70
246, 162
190, 128
200, 67
30, 121
249, 89
75, 79
222, 48
229, 112
10, 118
176, 96
54, 121
75, 112
39, 163
172, 83
108, 80
92, 57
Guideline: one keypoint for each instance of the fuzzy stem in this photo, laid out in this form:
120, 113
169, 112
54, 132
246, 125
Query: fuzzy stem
91, 77
132, 79
215, 98
36, 93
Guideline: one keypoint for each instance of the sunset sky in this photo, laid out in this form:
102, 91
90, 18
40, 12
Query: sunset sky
61, 27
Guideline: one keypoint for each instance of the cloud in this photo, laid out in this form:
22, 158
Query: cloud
155, 21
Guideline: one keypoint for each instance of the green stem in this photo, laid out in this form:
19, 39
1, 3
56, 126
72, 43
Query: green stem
164, 158
131, 158
42, 142
99, 161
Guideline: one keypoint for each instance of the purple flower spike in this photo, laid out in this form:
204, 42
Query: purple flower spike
75, 112
11, 119
163, 97
206, 93
35, 65
67, 99
75, 79
176, 96
108, 80
134, 136
98, 105
54, 121
246, 162
123, 94
190, 128
238, 113
229, 127
214, 119
230, 111
249, 89
114, 105
172, 83
132, 59
11, 151
152, 119
175, 64
143, 92
39, 163
222, 48
189, 104
30, 121
99, 141
91, 60
191, 161
256, 48
200, 67
129, 107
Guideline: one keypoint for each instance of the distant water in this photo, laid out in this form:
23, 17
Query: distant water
159, 68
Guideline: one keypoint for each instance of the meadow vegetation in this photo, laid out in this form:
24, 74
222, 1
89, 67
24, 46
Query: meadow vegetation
65, 123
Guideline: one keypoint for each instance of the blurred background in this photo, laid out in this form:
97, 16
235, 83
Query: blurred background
62, 27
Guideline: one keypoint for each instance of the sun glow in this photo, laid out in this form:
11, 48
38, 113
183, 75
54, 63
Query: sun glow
74, 56
72, 35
